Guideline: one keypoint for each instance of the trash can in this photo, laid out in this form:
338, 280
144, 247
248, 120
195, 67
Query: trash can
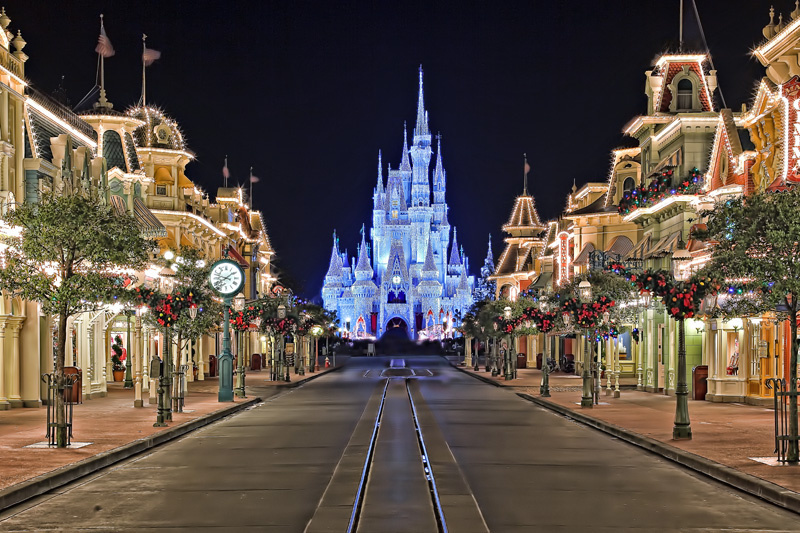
522, 360
699, 382
538, 361
212, 365
75, 394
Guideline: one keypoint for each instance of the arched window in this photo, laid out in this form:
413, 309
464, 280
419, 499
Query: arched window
685, 89
392, 297
628, 184
112, 150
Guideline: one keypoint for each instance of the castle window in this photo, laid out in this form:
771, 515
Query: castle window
685, 89
394, 213
399, 298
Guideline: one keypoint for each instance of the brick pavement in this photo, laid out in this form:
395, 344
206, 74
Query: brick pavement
107, 423
727, 433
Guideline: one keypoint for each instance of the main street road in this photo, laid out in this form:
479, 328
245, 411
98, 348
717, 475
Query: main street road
449, 451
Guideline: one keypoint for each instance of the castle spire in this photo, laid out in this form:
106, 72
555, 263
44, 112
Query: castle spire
422, 115
363, 266
438, 173
335, 266
489, 254
429, 270
380, 173
455, 258
405, 163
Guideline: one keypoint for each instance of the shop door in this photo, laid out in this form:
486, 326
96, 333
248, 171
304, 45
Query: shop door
660, 357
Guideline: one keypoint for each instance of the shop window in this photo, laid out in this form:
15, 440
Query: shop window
628, 184
161, 190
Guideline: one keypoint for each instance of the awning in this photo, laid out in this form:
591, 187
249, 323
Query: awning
163, 176
665, 246
583, 257
543, 280
148, 222
183, 181
234, 253
640, 249
118, 205
620, 246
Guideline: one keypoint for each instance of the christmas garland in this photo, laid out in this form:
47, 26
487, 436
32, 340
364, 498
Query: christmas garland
658, 189
587, 315
681, 298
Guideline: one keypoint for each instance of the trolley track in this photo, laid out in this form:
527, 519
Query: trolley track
364, 499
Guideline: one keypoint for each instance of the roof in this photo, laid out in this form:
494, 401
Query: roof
640, 248
598, 206
524, 215
508, 260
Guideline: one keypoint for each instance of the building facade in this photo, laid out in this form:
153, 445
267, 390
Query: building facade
401, 279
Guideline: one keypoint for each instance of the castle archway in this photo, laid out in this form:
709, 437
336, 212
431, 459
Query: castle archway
396, 327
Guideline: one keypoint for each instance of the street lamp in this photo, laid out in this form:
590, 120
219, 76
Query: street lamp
238, 306
486, 352
495, 372
544, 388
587, 399
316, 331
282, 315
128, 375
682, 428
509, 371
164, 375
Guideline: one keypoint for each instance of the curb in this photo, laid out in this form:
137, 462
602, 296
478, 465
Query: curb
760, 488
293, 384
31, 488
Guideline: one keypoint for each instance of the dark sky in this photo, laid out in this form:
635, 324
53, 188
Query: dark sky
307, 92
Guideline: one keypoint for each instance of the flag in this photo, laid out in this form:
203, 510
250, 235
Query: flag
527, 167
149, 56
225, 172
254, 179
104, 47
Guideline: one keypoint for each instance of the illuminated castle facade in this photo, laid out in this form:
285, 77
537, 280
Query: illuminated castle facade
402, 279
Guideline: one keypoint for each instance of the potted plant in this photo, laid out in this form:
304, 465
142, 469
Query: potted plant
117, 366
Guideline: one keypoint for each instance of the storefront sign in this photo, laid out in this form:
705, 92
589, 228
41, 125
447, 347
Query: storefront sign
790, 91
563, 258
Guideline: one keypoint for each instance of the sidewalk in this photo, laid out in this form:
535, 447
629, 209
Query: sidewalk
112, 430
727, 434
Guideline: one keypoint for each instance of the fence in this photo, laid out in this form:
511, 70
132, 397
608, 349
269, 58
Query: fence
52, 390
781, 398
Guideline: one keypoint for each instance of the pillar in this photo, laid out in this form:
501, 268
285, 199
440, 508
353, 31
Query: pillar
201, 357
137, 360
14, 370
4, 403
145, 340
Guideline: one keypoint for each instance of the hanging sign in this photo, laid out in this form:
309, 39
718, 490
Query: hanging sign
790, 91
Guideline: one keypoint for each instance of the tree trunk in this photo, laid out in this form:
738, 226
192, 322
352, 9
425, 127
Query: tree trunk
60, 405
792, 456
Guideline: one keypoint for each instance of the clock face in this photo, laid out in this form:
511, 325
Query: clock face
396, 280
226, 277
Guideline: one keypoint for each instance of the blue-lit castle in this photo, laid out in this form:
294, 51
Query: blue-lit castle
403, 280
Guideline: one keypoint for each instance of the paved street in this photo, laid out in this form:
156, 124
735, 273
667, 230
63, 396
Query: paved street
297, 463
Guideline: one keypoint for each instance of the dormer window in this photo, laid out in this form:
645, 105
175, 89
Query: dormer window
685, 90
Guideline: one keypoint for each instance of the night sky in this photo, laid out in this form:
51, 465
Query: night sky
308, 92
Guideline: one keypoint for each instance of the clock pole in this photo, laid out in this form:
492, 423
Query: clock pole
226, 358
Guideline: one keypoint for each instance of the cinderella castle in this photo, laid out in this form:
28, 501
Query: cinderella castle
402, 280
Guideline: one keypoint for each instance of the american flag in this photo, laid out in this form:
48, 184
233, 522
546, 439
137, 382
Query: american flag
254, 179
104, 47
149, 56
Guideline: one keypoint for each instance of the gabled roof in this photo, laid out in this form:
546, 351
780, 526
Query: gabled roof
598, 206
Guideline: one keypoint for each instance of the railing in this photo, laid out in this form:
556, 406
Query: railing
781, 397
599, 260
11, 62
53, 390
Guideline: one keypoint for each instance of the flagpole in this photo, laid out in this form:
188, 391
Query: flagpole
525, 175
144, 69
225, 174
102, 71
251, 187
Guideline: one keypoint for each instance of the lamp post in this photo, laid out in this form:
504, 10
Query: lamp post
509, 372
495, 372
238, 306
645, 297
597, 385
164, 406
544, 388
682, 428
128, 375
257, 322
282, 358
585, 296
316, 331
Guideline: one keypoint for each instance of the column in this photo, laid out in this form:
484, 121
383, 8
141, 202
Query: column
137, 362
156, 344
4, 403
14, 370
201, 357
609, 363
145, 340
